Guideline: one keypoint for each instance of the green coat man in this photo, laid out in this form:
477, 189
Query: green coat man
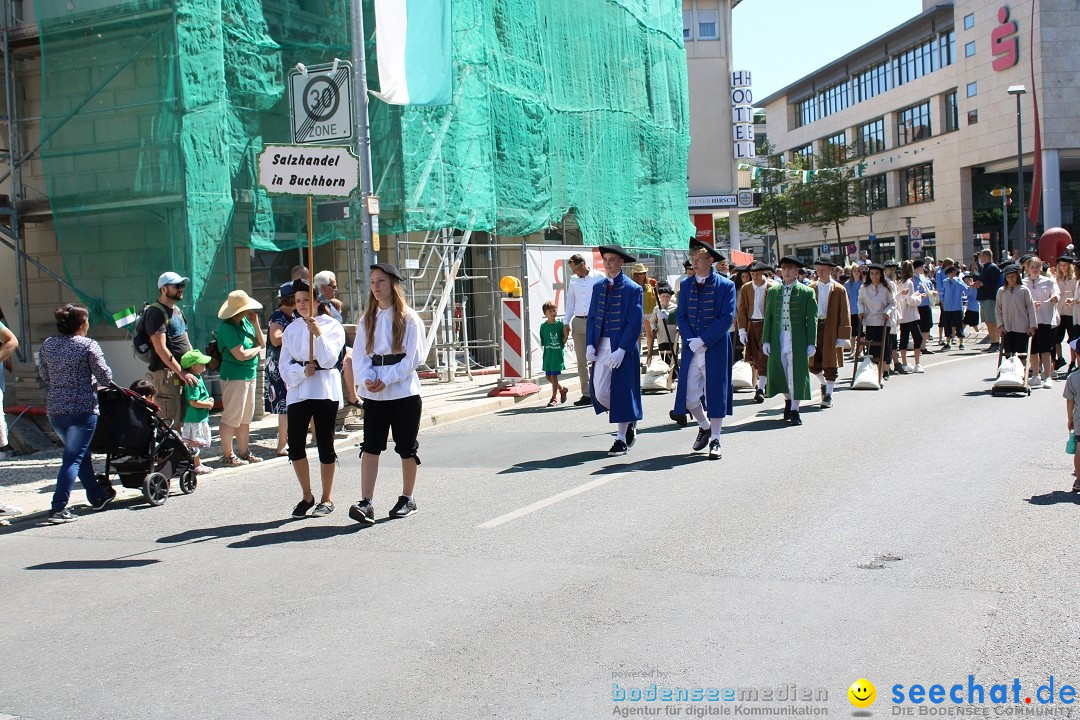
804, 316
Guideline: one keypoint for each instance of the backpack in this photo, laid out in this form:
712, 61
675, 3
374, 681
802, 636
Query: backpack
144, 349
213, 352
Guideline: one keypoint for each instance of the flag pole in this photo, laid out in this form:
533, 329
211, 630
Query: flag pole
363, 145
311, 288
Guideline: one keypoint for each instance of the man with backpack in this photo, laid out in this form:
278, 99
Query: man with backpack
166, 327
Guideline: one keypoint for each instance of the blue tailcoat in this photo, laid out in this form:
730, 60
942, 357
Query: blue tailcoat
706, 311
620, 311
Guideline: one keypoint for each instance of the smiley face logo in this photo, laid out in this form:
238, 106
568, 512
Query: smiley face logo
862, 693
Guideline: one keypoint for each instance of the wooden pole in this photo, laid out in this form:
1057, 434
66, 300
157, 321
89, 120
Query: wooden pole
311, 280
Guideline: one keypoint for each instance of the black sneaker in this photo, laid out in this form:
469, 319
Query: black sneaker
619, 448
302, 507
403, 508
322, 509
59, 517
680, 419
581, 402
363, 513
714, 449
100, 504
826, 400
631, 435
759, 397
795, 419
787, 409
701, 440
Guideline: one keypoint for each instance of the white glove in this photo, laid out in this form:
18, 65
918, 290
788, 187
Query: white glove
662, 314
696, 345
742, 336
839, 343
590, 354
615, 358
766, 348
811, 350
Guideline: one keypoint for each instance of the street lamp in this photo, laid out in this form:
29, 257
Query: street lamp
1019, 90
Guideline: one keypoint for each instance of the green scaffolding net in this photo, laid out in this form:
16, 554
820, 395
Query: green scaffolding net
154, 113
558, 107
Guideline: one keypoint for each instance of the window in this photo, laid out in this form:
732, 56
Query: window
835, 149
973, 117
870, 82
806, 111
917, 184
760, 140
871, 138
835, 98
914, 63
969, 49
687, 24
969, 21
972, 89
873, 194
806, 152
706, 25
952, 113
913, 124
947, 48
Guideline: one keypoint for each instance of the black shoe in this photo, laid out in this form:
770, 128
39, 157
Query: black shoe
680, 419
714, 449
403, 508
992, 347
363, 513
59, 517
631, 435
795, 419
619, 448
581, 402
100, 504
1059, 363
301, 509
701, 440
931, 352
899, 369
759, 397
826, 400
787, 409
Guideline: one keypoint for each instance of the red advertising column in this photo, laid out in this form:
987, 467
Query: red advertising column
704, 225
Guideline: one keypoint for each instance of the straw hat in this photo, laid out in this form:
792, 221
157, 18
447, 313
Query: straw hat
238, 302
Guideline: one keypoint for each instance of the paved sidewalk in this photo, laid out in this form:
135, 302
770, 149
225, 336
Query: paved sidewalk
28, 482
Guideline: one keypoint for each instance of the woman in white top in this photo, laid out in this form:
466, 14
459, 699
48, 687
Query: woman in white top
907, 303
313, 391
1044, 293
388, 349
876, 304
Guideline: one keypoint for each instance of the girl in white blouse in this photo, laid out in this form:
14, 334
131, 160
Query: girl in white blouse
876, 305
388, 349
1044, 293
313, 392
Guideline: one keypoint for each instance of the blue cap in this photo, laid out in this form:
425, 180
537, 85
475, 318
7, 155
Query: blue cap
286, 290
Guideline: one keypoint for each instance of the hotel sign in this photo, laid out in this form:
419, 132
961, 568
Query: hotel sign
742, 115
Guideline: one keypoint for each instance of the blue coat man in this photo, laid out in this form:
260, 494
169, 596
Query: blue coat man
616, 312
706, 311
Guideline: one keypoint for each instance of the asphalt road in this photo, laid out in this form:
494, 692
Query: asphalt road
917, 534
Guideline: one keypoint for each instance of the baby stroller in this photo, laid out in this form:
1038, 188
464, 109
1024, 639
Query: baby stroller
140, 447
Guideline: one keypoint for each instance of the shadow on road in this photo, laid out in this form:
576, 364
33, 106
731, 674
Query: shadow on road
93, 564
766, 423
1054, 498
225, 531
554, 463
301, 534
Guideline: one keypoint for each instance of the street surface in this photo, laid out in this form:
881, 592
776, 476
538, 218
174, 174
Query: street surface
917, 534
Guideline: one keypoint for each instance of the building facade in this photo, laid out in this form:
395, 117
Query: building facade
929, 112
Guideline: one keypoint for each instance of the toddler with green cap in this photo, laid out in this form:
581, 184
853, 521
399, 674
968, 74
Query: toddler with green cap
197, 406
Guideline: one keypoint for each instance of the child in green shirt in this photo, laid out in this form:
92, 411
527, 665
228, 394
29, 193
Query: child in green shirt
552, 340
197, 405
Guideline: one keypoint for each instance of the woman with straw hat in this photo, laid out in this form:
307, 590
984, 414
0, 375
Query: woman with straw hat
240, 337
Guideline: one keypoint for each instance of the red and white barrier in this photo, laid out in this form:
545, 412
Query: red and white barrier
513, 344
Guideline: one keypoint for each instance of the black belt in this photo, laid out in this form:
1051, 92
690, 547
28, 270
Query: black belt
307, 362
380, 360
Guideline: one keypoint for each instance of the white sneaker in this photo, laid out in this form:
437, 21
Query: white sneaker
909, 369
9, 510
918, 368
1048, 383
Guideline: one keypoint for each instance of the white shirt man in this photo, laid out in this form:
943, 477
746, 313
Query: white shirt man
578, 297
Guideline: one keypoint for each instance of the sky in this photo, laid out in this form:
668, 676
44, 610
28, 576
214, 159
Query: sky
781, 41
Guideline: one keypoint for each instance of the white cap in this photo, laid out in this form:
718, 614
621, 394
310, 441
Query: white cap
170, 278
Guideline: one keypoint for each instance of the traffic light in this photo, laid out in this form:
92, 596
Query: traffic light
998, 192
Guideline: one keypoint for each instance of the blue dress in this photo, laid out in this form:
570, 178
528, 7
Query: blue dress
706, 310
617, 313
274, 387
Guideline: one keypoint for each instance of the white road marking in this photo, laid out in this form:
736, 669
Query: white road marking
558, 497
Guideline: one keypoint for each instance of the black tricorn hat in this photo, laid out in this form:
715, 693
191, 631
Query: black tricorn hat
1011, 268
791, 260
758, 266
616, 249
717, 256
825, 260
662, 288
388, 268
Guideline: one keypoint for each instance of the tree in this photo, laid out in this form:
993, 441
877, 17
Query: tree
777, 211
832, 189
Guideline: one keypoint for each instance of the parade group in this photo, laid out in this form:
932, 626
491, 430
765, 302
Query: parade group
791, 322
